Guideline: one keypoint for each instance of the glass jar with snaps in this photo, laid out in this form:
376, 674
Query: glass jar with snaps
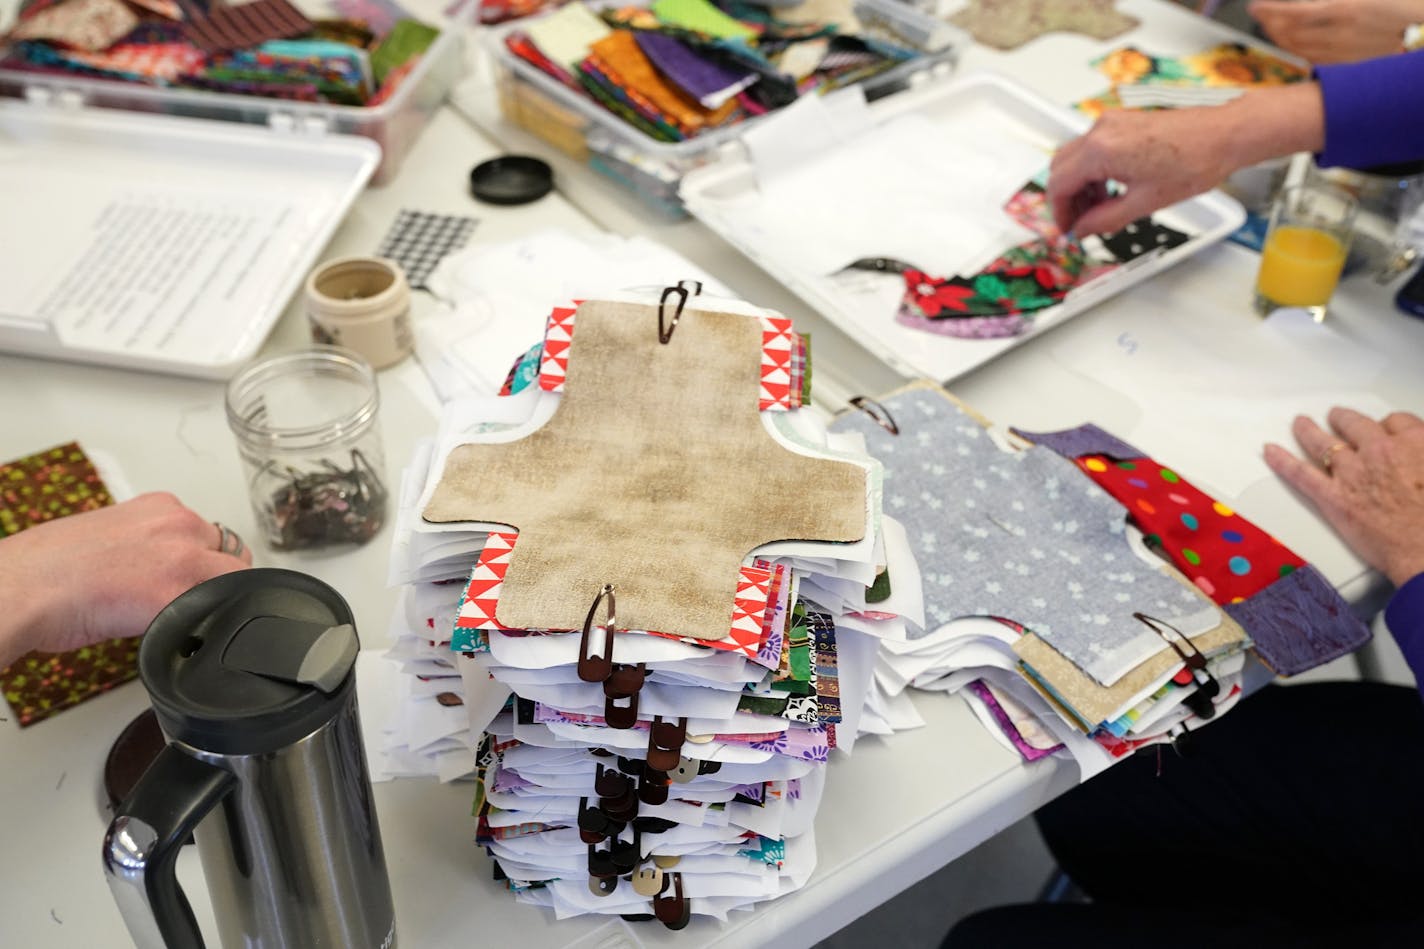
306, 429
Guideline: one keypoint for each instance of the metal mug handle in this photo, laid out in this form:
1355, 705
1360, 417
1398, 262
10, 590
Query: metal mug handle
142, 843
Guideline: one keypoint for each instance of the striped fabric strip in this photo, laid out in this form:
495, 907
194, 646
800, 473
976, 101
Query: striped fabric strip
237, 27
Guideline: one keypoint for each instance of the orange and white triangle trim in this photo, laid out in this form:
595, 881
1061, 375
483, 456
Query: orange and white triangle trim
780, 390
558, 335
480, 598
778, 347
481, 593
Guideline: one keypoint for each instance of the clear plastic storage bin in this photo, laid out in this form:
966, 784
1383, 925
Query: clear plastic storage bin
394, 124
583, 129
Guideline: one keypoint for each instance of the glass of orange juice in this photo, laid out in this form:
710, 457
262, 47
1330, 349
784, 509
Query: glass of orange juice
1305, 248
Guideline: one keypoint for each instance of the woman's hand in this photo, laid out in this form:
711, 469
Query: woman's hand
1337, 31
1367, 479
104, 573
1160, 158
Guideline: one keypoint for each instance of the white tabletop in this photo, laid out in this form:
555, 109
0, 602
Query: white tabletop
893, 812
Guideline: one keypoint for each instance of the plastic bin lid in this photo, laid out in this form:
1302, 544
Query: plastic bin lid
161, 243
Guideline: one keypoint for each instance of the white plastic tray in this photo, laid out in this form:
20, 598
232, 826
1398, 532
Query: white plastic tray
150, 242
717, 194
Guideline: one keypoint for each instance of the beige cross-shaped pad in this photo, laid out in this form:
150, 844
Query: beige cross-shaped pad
1008, 24
655, 474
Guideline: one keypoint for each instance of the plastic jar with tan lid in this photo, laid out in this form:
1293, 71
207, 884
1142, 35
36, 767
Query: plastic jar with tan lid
362, 304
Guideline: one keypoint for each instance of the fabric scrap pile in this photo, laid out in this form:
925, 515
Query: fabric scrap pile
1086, 599
627, 587
1141, 80
679, 68
1001, 298
265, 48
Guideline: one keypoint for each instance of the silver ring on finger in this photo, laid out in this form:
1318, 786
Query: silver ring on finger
228, 540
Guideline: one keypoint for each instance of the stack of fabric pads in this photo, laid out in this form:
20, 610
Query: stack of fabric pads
624, 589
1086, 599
263, 48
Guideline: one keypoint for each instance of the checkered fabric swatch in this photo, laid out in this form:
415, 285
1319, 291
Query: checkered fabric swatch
419, 239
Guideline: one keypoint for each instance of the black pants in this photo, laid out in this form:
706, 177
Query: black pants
1297, 820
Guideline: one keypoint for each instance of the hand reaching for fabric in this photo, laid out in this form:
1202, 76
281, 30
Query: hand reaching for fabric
1337, 31
105, 573
1367, 479
1160, 158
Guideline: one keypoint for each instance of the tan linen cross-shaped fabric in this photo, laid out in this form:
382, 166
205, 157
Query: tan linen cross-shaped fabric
655, 474
1008, 24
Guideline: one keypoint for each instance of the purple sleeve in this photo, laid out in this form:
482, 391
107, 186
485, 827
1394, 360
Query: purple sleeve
1405, 618
1372, 111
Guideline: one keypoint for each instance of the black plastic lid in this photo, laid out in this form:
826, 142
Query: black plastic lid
511, 179
249, 662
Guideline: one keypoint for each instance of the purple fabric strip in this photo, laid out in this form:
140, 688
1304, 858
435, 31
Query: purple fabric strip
1083, 440
1006, 724
709, 82
1299, 622
507, 780
1405, 618
965, 327
1367, 105
756, 792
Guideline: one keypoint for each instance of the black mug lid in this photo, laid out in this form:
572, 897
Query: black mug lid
249, 662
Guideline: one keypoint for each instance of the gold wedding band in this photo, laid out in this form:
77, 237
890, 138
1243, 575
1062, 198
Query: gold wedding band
228, 540
1328, 455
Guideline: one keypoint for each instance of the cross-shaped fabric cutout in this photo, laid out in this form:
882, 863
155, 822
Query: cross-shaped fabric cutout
1009, 24
655, 474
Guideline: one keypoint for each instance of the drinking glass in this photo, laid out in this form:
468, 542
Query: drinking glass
1305, 249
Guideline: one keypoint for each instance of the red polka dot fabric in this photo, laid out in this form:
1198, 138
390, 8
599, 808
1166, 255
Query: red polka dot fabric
1225, 555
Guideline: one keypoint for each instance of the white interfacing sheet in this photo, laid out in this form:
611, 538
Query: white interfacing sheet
832, 190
